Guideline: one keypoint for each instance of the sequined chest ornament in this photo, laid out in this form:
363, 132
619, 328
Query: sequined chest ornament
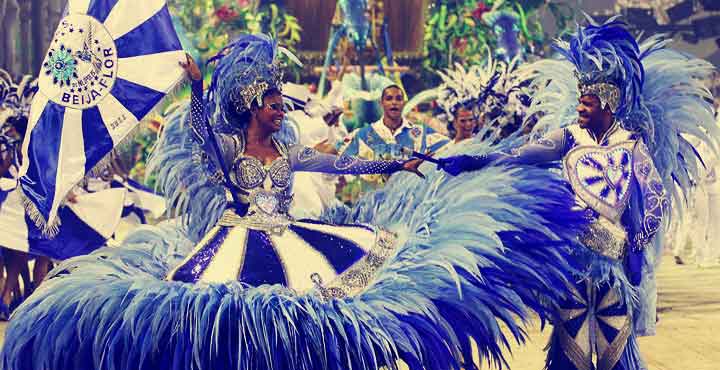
601, 176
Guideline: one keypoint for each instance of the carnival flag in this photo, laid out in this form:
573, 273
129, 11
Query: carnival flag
109, 63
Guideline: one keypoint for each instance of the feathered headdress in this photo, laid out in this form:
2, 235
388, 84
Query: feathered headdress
472, 88
606, 60
466, 88
15, 100
246, 69
493, 89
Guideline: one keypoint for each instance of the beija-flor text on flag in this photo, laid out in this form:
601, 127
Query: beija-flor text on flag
109, 63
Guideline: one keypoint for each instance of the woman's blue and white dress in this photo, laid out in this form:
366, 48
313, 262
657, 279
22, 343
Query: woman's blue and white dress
258, 242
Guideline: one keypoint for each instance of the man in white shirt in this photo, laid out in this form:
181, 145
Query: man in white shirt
386, 138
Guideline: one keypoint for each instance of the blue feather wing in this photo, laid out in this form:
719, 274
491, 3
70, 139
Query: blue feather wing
184, 175
678, 107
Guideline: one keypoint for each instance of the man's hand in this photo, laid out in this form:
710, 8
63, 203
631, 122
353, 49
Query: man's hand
634, 265
454, 165
191, 68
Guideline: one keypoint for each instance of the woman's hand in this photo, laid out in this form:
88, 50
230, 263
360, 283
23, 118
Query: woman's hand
413, 165
191, 68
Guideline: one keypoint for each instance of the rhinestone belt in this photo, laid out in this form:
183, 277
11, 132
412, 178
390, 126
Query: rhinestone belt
605, 237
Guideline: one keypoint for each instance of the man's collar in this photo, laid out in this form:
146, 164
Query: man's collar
611, 130
380, 125
388, 136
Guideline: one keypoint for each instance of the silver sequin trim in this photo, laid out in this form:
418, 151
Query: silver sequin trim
605, 237
355, 279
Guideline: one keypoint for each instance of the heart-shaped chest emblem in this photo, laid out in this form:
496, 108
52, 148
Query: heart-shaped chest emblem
603, 173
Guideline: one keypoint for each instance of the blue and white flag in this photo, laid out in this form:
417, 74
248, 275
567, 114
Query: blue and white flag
87, 224
110, 63
139, 199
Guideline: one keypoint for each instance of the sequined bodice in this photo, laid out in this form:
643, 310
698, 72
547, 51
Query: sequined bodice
601, 174
265, 189
249, 173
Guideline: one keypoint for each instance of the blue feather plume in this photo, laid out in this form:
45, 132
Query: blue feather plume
184, 177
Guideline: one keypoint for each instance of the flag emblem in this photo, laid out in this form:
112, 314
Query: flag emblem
81, 66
